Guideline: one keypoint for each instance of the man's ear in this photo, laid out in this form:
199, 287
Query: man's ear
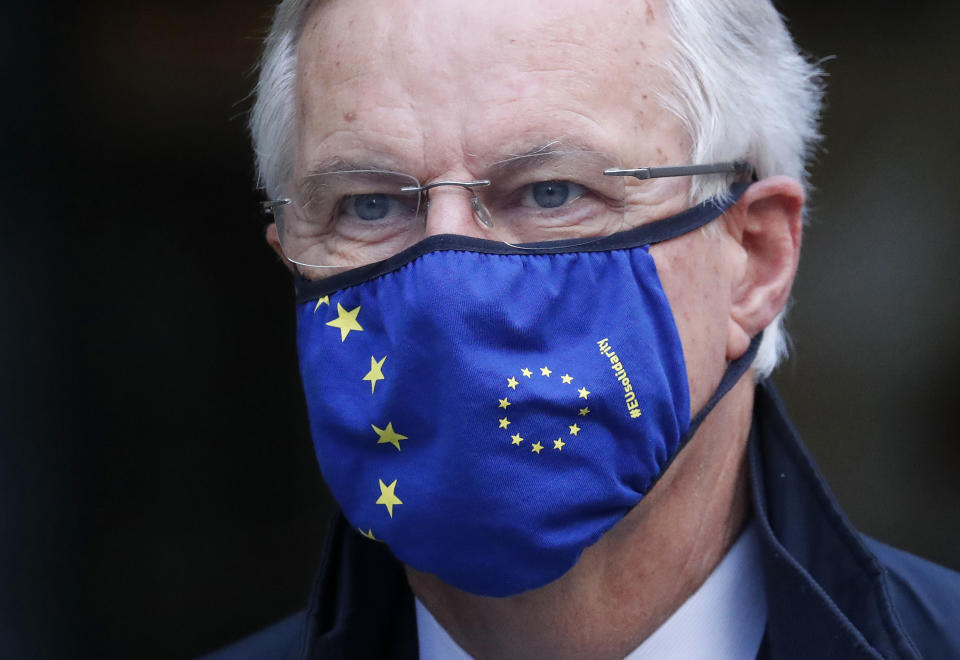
273, 240
767, 223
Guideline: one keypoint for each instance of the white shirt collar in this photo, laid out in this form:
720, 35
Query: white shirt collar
435, 642
724, 618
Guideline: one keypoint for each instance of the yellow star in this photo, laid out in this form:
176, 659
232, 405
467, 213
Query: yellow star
526, 372
389, 436
545, 371
558, 444
512, 383
566, 378
584, 412
536, 447
346, 321
375, 373
368, 534
517, 439
503, 403
583, 392
322, 301
387, 497
504, 423
574, 429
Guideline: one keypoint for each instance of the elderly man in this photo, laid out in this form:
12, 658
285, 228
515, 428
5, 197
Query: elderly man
541, 254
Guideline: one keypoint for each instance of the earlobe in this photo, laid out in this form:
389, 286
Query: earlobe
767, 224
273, 240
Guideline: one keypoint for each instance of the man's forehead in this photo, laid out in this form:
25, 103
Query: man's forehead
485, 80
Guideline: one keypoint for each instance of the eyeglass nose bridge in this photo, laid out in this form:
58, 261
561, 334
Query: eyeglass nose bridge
479, 210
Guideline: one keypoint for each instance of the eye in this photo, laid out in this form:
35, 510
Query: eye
373, 207
551, 194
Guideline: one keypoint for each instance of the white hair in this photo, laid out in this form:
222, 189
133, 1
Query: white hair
273, 120
743, 92
737, 83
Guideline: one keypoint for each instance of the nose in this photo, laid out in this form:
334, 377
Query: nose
454, 208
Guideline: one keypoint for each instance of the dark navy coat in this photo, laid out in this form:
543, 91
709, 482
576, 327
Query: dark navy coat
831, 592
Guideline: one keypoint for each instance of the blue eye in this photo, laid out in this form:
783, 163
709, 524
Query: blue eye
551, 194
374, 207
370, 207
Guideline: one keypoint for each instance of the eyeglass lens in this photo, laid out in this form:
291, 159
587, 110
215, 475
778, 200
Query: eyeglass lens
353, 218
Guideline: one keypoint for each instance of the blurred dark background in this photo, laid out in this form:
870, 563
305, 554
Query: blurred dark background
158, 491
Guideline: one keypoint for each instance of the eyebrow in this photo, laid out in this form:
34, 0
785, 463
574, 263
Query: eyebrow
547, 149
547, 152
340, 164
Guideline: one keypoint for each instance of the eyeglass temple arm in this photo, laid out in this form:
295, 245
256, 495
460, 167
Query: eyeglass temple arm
643, 173
271, 205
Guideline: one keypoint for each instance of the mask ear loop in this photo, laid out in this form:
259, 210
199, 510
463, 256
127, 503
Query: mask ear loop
731, 377
738, 367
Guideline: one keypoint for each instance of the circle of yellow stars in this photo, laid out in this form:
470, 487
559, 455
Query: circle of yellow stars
517, 439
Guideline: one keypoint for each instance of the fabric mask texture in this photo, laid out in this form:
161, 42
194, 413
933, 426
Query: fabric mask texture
488, 411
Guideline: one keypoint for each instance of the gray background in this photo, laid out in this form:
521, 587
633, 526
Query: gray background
158, 491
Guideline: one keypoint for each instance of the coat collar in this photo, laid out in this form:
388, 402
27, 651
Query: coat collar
826, 594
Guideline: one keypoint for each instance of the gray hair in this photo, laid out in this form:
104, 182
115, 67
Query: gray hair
739, 85
743, 92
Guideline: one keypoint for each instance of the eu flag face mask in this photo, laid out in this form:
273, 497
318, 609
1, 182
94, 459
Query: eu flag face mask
489, 411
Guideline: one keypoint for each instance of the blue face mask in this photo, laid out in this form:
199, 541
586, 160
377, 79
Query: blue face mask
490, 411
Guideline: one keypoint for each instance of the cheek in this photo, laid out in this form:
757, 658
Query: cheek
697, 286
